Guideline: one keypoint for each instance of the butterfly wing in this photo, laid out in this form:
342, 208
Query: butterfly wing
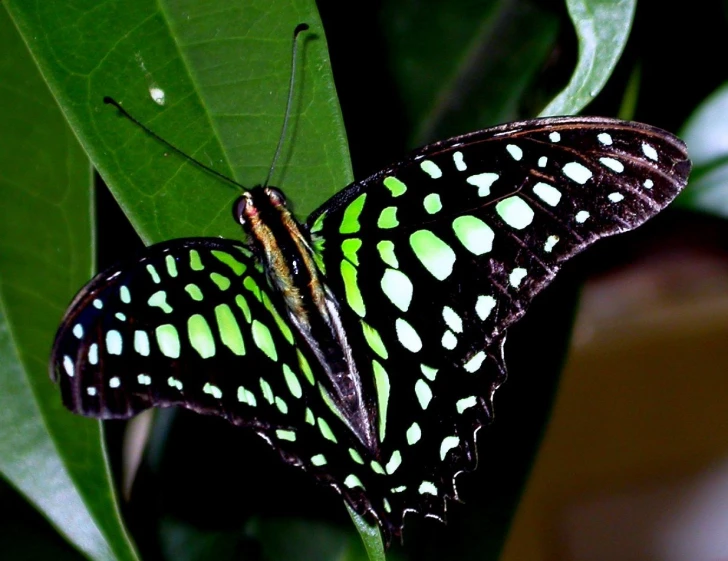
433, 258
192, 323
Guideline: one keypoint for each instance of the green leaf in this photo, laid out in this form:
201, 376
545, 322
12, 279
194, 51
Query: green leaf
602, 27
308, 539
219, 73
460, 66
370, 536
706, 134
55, 459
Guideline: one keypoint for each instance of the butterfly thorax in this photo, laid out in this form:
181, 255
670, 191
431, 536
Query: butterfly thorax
285, 252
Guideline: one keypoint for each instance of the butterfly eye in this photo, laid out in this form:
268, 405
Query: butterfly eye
277, 198
239, 208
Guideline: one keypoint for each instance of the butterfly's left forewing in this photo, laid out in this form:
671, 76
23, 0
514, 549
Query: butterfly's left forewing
435, 257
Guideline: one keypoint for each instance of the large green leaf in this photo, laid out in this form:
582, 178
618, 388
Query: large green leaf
219, 74
602, 27
53, 458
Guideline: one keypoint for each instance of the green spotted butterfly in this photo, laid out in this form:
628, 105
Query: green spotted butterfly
366, 344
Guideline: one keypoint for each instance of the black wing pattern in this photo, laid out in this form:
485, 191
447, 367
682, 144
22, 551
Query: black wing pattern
434, 257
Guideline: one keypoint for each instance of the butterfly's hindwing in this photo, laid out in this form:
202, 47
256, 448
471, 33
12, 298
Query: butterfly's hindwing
439, 254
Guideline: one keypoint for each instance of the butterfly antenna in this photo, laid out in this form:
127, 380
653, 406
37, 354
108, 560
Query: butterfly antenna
208, 169
296, 32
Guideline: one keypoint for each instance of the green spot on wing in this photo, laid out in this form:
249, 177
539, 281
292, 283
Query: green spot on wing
423, 392
168, 340
252, 286
350, 222
159, 300
398, 288
319, 460
229, 329
141, 342
263, 340
475, 235
214, 391
326, 431
267, 391
394, 462
243, 305
319, 223
395, 186
356, 456
352, 481
381, 381
153, 273
281, 405
200, 335
124, 294
432, 203
434, 254
351, 288
386, 252
407, 335
224, 257
292, 381
515, 212
222, 282
195, 261
374, 340
171, 265
194, 291
349, 247
286, 435
388, 218
305, 367
414, 433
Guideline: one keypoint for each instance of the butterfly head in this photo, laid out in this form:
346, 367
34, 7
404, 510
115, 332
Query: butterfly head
259, 203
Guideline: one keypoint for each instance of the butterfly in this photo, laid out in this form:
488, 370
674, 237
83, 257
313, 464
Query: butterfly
365, 345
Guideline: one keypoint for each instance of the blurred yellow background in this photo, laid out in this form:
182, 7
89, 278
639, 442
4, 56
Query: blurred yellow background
634, 464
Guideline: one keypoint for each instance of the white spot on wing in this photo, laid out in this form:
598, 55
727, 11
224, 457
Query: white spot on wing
516, 277
68, 365
483, 181
605, 138
515, 152
614, 165
649, 151
551, 241
547, 193
577, 172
